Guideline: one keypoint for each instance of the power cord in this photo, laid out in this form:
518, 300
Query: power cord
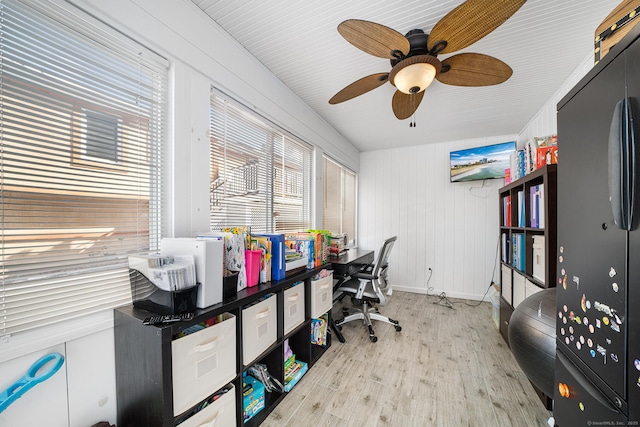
444, 300
493, 275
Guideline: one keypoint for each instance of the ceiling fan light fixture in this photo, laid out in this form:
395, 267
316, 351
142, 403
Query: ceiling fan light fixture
415, 74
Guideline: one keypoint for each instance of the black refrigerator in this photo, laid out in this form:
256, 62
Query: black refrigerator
597, 373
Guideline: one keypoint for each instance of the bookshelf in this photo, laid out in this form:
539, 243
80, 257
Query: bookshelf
150, 365
527, 239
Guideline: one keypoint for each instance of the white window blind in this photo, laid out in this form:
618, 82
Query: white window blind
260, 175
81, 129
339, 200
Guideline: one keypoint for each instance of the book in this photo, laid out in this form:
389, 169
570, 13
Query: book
263, 244
507, 211
319, 330
533, 206
541, 214
301, 369
521, 209
278, 266
506, 252
303, 244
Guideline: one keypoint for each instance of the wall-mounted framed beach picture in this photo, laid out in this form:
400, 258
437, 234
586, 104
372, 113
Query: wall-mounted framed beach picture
485, 162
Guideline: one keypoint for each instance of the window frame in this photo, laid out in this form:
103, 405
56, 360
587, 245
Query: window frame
241, 138
343, 187
94, 37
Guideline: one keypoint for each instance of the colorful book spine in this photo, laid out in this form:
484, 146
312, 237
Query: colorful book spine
263, 244
521, 209
301, 369
278, 266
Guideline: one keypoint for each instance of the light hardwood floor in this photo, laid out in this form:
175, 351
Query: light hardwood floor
447, 367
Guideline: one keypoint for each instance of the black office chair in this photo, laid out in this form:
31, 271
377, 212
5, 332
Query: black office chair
368, 288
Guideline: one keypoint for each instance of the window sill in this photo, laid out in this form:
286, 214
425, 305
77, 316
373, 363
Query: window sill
27, 342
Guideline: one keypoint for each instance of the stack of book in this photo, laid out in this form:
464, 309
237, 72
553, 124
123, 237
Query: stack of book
506, 211
293, 371
537, 206
518, 258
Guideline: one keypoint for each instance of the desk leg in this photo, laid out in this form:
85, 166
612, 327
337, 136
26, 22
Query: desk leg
332, 322
334, 328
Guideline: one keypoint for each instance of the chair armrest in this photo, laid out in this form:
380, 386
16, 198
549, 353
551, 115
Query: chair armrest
368, 268
363, 275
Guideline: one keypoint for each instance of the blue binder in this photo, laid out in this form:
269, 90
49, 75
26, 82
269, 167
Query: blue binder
277, 255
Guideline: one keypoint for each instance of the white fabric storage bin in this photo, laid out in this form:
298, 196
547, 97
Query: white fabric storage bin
538, 258
259, 328
531, 288
506, 284
219, 413
203, 362
321, 296
518, 289
293, 307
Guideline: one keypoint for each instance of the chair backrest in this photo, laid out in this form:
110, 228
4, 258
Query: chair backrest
381, 287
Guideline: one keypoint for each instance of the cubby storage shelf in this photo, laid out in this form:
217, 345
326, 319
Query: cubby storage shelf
144, 356
528, 221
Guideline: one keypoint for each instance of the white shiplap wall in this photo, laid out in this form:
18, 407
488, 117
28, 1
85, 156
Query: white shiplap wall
452, 228
544, 122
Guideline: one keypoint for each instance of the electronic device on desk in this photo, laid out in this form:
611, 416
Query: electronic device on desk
164, 285
338, 244
208, 255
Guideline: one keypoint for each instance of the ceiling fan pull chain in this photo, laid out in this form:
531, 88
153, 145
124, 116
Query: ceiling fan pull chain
412, 123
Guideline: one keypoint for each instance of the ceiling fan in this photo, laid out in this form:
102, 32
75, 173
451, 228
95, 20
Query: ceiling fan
414, 56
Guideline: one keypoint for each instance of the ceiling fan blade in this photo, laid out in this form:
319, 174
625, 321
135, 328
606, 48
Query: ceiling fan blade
375, 39
471, 21
360, 87
404, 105
474, 69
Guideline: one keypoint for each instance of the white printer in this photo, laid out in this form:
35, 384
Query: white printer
209, 259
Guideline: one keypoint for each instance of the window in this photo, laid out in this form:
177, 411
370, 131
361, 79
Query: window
102, 136
339, 210
81, 129
260, 175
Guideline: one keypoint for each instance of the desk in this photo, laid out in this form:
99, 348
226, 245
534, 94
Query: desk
343, 267
350, 262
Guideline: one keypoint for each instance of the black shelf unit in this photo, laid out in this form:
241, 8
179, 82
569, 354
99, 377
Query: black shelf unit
545, 175
143, 354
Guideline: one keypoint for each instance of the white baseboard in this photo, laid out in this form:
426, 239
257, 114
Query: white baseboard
437, 292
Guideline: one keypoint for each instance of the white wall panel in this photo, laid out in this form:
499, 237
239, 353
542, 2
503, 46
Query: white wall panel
91, 380
450, 227
544, 122
43, 405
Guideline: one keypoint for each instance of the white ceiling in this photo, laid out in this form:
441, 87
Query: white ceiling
298, 41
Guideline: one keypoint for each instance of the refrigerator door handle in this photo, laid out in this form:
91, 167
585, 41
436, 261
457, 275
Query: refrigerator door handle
622, 165
586, 385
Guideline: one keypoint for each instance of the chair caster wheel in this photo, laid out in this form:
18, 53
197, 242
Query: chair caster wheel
398, 328
373, 338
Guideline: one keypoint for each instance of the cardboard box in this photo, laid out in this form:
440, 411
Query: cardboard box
252, 398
